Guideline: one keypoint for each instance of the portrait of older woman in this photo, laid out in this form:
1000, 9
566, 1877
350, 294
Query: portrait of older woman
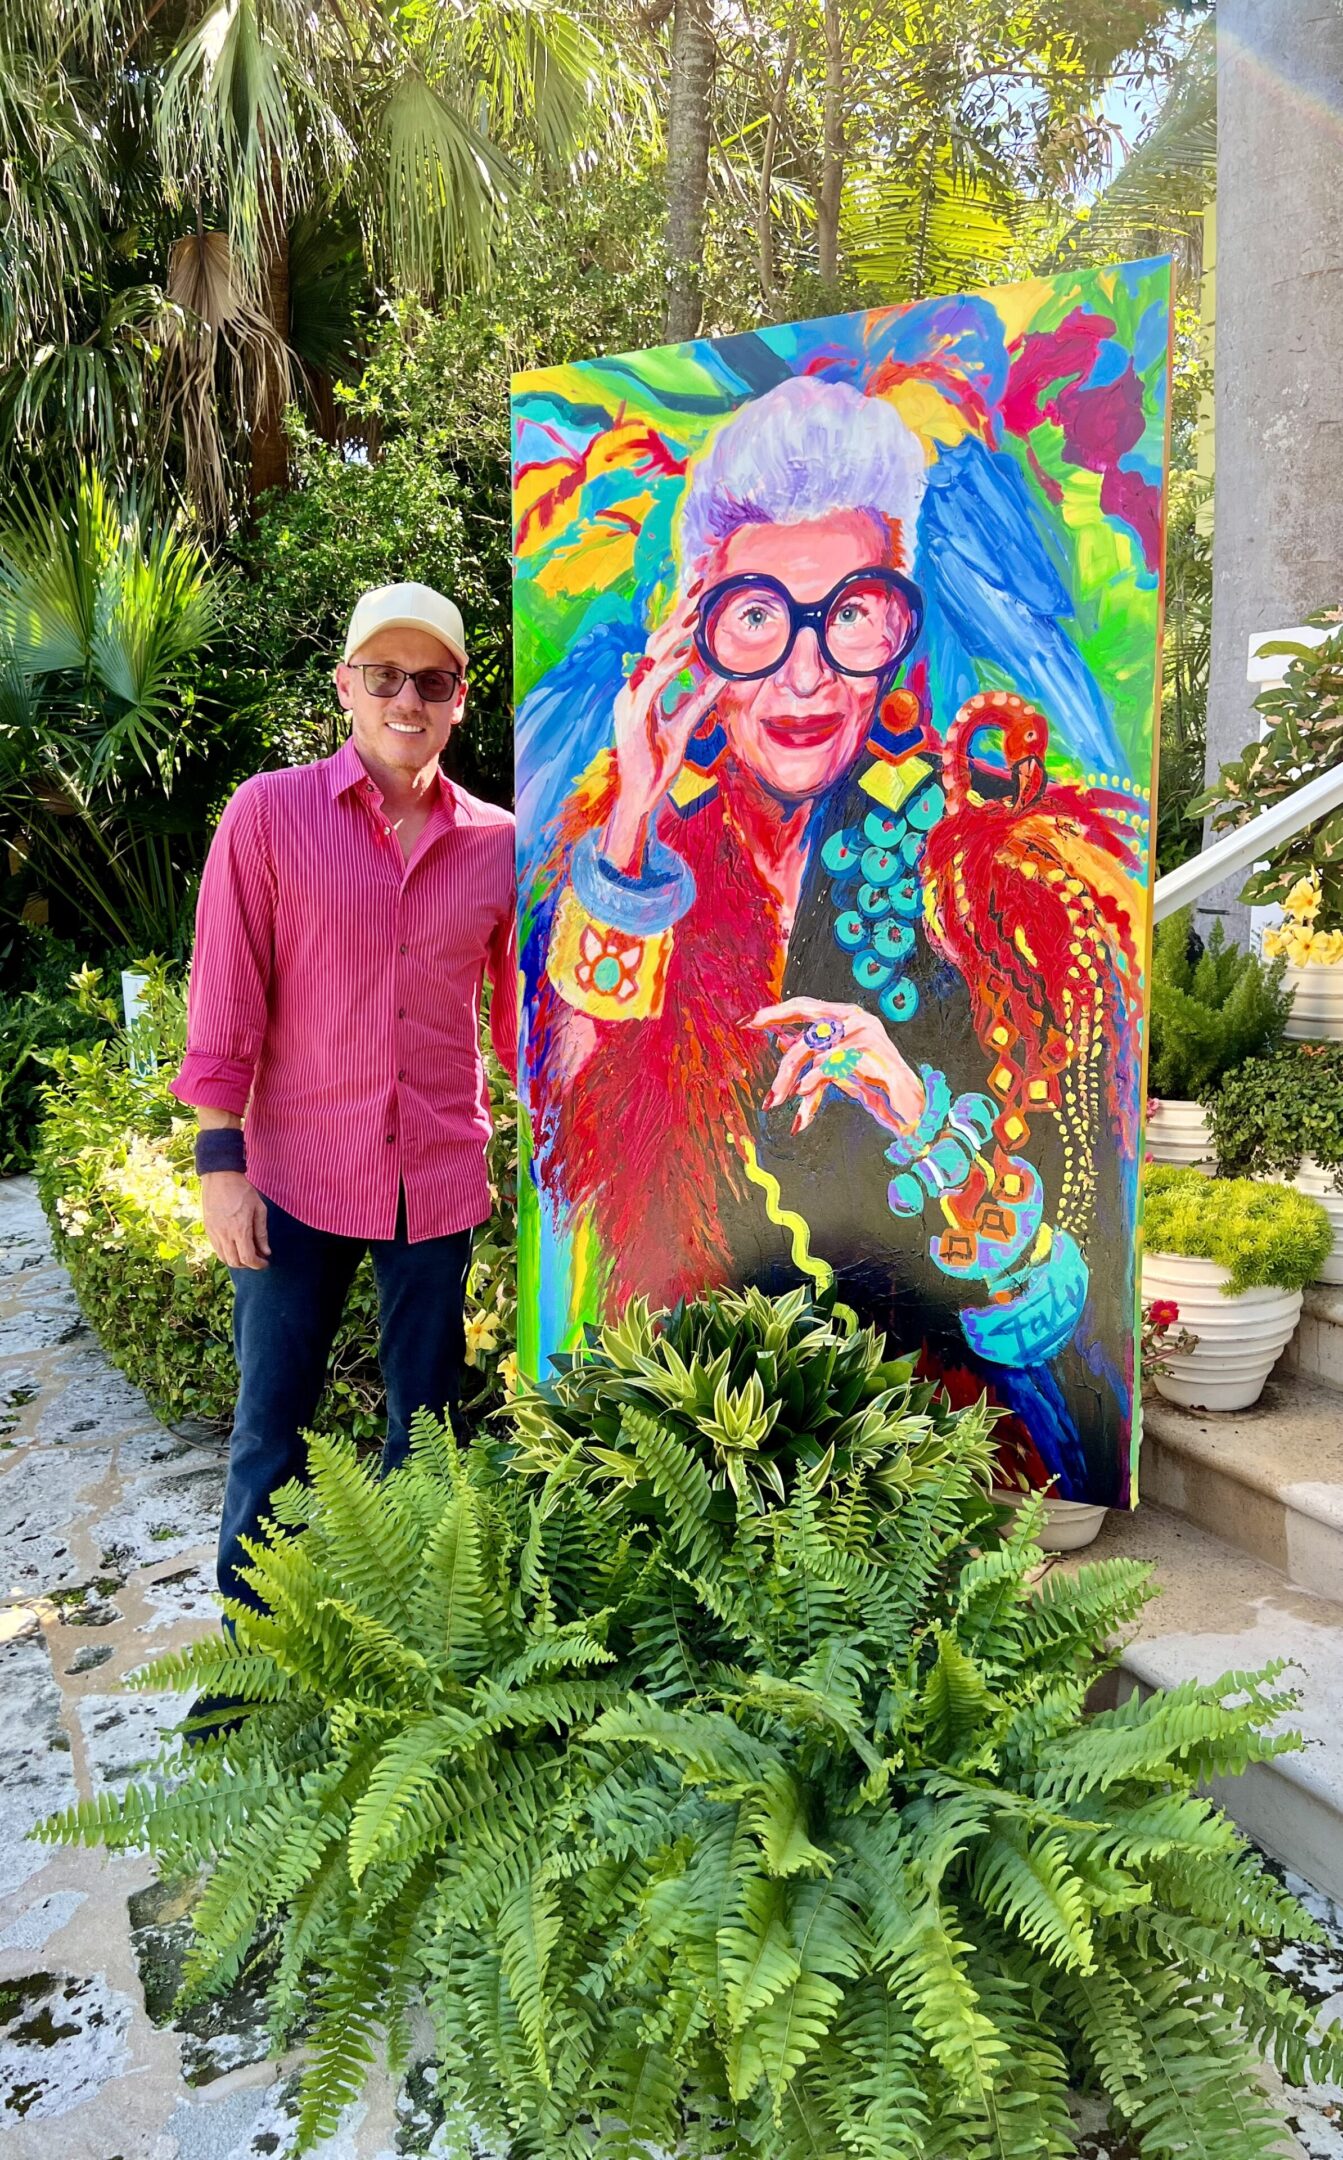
827, 984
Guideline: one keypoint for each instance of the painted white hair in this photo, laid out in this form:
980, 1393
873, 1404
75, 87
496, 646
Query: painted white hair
803, 449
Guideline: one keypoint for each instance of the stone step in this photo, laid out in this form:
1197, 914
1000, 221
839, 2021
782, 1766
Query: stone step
1316, 1350
1222, 1611
1268, 1480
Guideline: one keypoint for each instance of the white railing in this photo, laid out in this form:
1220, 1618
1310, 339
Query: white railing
1249, 844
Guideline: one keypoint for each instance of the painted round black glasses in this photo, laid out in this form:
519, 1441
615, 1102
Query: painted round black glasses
749, 624
433, 685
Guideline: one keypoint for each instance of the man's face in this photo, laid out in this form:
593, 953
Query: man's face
402, 733
801, 728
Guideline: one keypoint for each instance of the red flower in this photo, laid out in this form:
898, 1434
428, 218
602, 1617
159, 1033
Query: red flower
1163, 1313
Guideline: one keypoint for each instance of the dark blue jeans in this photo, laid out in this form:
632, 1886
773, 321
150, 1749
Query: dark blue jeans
285, 1318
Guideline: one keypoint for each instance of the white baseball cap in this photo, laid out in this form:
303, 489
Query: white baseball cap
406, 607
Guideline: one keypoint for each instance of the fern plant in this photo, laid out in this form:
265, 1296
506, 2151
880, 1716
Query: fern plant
1211, 1009
737, 1824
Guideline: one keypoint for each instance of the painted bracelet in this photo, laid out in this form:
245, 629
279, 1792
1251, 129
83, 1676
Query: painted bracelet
220, 1147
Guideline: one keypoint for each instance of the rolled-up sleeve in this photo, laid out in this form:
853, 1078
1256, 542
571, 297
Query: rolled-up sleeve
231, 970
503, 973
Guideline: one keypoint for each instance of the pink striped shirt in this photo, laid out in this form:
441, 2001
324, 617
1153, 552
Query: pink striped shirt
335, 997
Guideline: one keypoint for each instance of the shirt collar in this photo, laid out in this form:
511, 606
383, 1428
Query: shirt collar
347, 770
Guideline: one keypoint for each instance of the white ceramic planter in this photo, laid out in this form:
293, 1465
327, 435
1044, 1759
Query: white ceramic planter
1317, 1003
1068, 1524
1240, 1339
1310, 1178
1177, 1133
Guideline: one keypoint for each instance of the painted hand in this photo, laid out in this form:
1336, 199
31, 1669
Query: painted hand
840, 1047
667, 695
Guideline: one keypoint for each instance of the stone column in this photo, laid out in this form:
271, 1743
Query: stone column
1278, 503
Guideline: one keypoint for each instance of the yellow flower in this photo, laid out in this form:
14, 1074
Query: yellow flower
508, 1373
482, 1333
1275, 943
1303, 901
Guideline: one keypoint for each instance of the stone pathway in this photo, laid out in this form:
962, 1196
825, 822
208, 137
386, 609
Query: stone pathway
107, 1525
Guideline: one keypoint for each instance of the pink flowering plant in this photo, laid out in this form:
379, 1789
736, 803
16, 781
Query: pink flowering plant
1162, 1336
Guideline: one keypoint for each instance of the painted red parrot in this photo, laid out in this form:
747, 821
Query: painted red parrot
1029, 888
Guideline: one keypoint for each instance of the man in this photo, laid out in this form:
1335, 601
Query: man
348, 914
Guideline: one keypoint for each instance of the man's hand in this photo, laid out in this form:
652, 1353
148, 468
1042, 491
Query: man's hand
235, 1219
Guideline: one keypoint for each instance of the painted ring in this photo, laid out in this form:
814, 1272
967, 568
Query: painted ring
822, 1034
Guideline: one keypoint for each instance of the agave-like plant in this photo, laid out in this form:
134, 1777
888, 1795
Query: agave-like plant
763, 1391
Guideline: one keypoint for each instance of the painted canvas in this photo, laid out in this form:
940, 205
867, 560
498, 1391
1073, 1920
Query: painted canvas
837, 652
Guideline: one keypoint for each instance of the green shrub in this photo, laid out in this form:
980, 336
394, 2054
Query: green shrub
1266, 1236
45, 1015
709, 1821
116, 1179
1210, 1011
1275, 1110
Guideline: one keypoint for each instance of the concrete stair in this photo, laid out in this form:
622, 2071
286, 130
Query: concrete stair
1268, 1481
1241, 1517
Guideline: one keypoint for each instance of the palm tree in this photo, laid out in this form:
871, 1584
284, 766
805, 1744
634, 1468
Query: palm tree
244, 121
104, 619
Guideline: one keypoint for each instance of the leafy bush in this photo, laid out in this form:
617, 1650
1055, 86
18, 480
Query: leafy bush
1275, 1110
712, 1821
116, 1179
1304, 739
45, 1015
1266, 1236
1211, 1009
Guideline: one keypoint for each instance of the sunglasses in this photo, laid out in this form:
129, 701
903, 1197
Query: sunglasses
433, 685
749, 624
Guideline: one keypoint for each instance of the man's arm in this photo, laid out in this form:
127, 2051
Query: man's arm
226, 1015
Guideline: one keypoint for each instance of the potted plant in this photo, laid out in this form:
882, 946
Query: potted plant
1282, 1117
1234, 1255
1305, 874
1212, 1006
1313, 957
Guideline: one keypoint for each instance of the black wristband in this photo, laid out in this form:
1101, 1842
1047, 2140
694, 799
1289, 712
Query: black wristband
220, 1147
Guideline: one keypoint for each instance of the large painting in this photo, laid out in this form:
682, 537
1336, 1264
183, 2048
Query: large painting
837, 653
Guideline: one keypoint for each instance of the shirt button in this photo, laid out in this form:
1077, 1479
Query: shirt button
391, 1139
400, 1012
403, 948
402, 1073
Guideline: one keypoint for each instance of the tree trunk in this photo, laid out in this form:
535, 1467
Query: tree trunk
688, 125
269, 466
832, 148
1278, 502
764, 212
